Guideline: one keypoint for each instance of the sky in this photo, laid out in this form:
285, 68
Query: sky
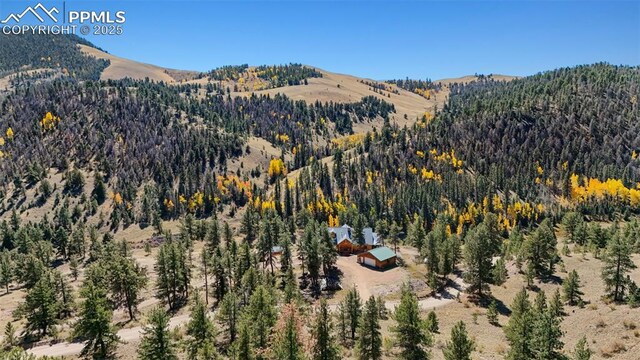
374, 39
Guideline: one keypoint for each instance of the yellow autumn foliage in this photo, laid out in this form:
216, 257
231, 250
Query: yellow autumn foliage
196, 201
168, 203
449, 157
49, 121
276, 168
430, 175
348, 141
591, 188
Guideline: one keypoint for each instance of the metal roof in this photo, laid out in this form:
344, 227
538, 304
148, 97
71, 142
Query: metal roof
382, 253
344, 232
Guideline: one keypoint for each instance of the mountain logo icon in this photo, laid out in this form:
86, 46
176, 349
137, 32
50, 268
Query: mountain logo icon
36, 11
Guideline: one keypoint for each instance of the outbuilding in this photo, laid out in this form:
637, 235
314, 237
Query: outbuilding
379, 258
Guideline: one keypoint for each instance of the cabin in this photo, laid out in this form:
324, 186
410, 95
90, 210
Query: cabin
379, 258
276, 250
343, 237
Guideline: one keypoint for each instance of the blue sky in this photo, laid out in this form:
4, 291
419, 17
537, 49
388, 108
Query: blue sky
381, 39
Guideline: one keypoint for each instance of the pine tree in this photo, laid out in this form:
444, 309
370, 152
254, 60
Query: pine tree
270, 230
288, 342
94, 324
313, 258
582, 351
6, 270
411, 331
572, 222
540, 249
127, 279
286, 256
433, 242
382, 308
261, 315
617, 263
545, 337
64, 294
394, 235
492, 313
229, 313
555, 304
73, 267
172, 267
324, 343
460, 346
288, 201
417, 234
219, 272
634, 294
99, 189
328, 251
205, 263
353, 308
432, 322
530, 274
358, 228
213, 235
519, 329
342, 322
500, 272
291, 290
540, 302
41, 307
201, 332
157, 343
9, 335
248, 225
369, 345
244, 262
29, 270
571, 289
478, 258
242, 348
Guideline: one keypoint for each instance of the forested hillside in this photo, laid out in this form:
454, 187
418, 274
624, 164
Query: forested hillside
29, 51
133, 132
245, 78
532, 135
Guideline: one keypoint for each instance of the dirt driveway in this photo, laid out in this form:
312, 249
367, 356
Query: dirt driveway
381, 283
368, 281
